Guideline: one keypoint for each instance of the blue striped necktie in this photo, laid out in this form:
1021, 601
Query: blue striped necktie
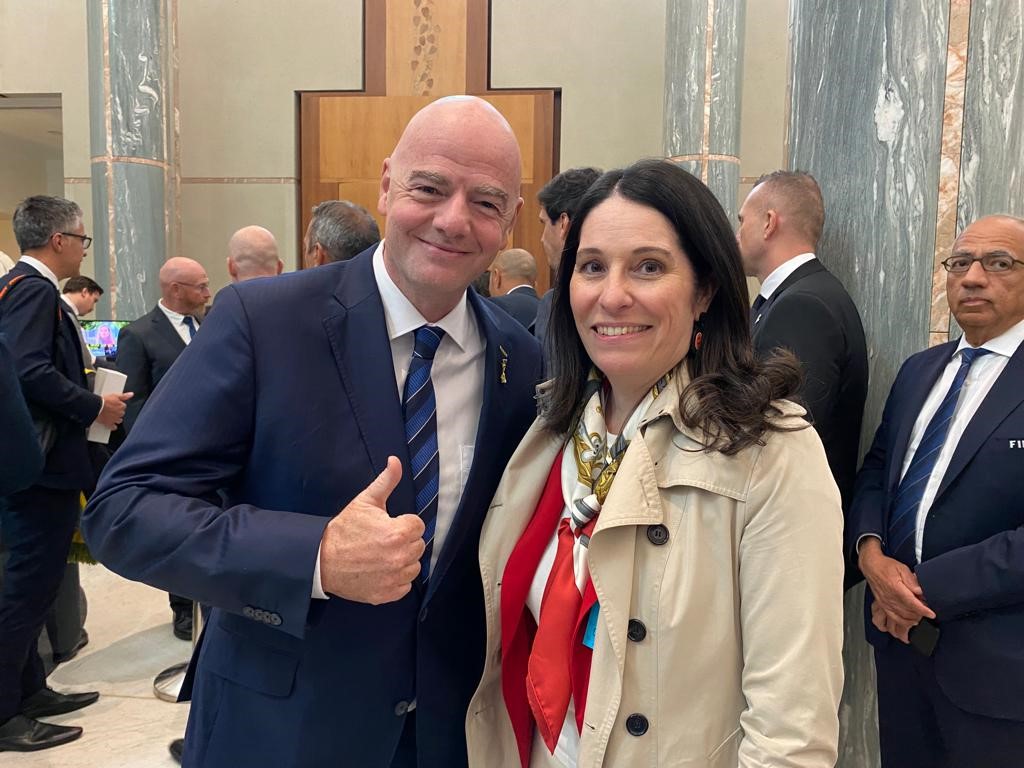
903, 517
420, 411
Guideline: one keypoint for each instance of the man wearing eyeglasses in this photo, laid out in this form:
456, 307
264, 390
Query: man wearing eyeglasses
38, 522
938, 524
148, 347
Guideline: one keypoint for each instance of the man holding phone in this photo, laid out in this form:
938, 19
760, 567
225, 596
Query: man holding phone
937, 524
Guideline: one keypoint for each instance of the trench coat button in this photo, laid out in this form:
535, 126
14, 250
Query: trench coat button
636, 631
637, 725
401, 708
657, 534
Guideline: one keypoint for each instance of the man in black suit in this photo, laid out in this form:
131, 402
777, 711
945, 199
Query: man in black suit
512, 285
558, 199
937, 524
38, 521
802, 307
148, 347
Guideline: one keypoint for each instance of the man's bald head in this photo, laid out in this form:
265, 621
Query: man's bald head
184, 286
252, 252
451, 194
512, 268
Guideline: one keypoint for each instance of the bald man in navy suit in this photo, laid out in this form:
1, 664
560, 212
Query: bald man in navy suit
282, 474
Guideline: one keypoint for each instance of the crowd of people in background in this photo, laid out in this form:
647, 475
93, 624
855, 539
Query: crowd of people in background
612, 524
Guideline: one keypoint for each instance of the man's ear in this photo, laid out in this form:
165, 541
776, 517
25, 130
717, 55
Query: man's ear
319, 255
385, 185
771, 222
563, 225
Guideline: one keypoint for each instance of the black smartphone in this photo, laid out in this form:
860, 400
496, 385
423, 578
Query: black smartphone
924, 636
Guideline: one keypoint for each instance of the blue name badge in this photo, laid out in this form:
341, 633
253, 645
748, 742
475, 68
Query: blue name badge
591, 631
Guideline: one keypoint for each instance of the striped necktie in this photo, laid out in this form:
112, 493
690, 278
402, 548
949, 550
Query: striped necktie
190, 323
420, 412
903, 517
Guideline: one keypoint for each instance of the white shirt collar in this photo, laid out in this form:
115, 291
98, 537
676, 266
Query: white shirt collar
781, 272
71, 304
402, 317
174, 317
524, 285
44, 270
1005, 344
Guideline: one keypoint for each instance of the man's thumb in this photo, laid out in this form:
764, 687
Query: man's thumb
378, 491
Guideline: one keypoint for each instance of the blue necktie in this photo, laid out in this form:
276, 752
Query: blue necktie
191, 325
903, 517
420, 411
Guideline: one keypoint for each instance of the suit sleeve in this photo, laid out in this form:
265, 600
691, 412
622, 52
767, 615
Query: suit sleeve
791, 607
133, 362
980, 577
29, 320
801, 322
21, 459
156, 515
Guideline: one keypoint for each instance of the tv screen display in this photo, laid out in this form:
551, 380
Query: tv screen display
101, 336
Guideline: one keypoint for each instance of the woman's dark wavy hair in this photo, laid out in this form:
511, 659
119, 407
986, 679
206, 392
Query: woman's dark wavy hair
730, 394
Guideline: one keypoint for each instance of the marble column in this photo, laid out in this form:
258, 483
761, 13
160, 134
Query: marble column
131, 133
866, 116
703, 70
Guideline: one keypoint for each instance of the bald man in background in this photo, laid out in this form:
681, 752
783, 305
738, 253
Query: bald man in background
148, 347
513, 285
252, 252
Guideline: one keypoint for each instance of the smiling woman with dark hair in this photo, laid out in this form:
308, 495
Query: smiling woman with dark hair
662, 563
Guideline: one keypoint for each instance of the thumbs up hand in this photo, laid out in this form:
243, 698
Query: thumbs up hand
366, 555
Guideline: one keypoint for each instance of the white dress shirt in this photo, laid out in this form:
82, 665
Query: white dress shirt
457, 374
980, 378
73, 311
178, 322
781, 272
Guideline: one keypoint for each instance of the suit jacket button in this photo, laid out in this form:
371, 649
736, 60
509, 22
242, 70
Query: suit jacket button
637, 725
657, 534
401, 708
247, 612
275, 619
636, 631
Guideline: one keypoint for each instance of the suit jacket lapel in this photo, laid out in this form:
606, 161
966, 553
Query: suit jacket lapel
357, 332
491, 429
166, 330
1006, 394
910, 407
799, 273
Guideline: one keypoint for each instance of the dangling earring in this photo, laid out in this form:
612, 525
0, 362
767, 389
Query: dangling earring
696, 337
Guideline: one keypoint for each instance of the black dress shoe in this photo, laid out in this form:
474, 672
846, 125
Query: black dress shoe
46, 702
177, 747
23, 734
183, 623
83, 640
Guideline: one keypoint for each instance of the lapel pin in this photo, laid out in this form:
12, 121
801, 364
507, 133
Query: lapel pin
503, 377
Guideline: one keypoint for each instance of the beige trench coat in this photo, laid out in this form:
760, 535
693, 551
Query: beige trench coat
741, 663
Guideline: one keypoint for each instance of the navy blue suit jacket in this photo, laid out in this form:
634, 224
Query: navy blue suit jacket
521, 303
21, 459
972, 563
47, 357
280, 412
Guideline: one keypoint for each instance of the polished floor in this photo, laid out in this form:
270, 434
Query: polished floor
130, 642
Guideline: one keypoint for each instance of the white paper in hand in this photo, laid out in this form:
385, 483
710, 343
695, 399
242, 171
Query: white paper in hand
108, 382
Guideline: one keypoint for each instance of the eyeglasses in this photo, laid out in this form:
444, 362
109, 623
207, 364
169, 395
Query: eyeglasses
86, 240
197, 286
993, 262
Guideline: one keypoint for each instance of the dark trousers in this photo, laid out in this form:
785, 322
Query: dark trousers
36, 526
919, 727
